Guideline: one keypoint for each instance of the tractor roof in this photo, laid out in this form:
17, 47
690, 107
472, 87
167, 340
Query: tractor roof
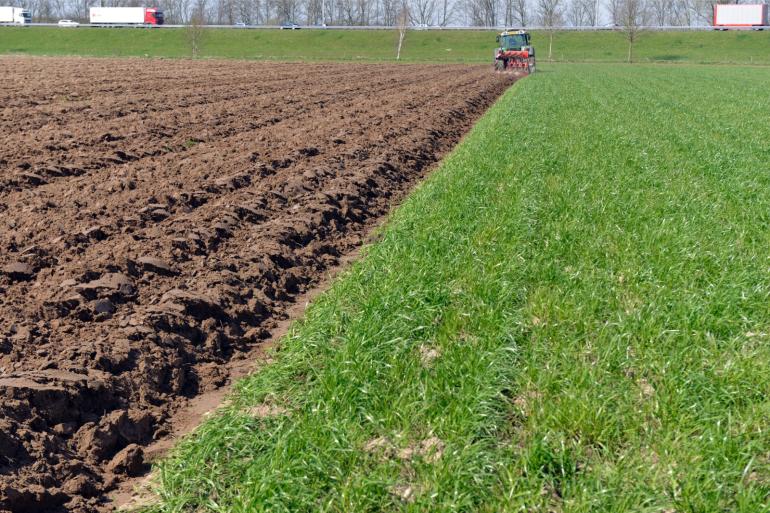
511, 32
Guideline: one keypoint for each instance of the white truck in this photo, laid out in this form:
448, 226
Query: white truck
728, 16
125, 16
14, 16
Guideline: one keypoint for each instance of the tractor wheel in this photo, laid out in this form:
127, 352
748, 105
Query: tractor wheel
499, 65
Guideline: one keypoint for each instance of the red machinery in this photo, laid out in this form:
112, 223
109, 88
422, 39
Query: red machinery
515, 52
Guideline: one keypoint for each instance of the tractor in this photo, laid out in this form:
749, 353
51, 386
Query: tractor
515, 52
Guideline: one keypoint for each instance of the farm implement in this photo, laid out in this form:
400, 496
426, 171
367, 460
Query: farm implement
515, 53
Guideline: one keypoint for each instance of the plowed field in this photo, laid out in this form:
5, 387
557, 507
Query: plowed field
157, 219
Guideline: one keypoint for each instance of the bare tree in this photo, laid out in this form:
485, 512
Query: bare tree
403, 24
519, 12
682, 12
248, 11
225, 12
703, 10
286, 9
481, 13
661, 11
513, 13
313, 12
422, 12
195, 32
576, 13
508, 13
266, 15
354, 12
613, 8
446, 13
199, 11
176, 11
347, 10
488, 11
46, 11
633, 17
551, 15
390, 11
516, 13
591, 10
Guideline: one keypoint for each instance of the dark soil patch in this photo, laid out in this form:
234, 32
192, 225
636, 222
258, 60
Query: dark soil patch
158, 218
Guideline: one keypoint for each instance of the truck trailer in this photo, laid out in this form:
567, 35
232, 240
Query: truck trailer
14, 16
125, 16
728, 16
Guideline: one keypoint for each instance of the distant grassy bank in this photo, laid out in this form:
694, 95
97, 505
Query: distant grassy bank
379, 45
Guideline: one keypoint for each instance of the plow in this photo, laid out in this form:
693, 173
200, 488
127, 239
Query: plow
515, 53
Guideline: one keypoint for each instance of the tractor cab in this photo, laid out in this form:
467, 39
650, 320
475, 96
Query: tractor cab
513, 40
515, 52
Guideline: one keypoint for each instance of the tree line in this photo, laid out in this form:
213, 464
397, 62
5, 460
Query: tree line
422, 13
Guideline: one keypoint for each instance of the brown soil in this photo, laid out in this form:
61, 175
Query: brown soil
158, 218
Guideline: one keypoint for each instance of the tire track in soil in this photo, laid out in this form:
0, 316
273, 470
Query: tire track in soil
125, 292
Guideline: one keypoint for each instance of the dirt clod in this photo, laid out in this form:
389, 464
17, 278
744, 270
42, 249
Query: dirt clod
104, 306
155, 265
18, 271
129, 461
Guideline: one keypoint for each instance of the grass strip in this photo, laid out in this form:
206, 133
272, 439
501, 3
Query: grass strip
570, 315
741, 47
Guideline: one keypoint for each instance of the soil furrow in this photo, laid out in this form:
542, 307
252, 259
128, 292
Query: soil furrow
235, 134
58, 161
126, 291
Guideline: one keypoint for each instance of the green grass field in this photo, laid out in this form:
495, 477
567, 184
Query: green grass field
380, 45
570, 315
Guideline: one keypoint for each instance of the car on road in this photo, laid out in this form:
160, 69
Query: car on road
68, 23
240, 24
289, 25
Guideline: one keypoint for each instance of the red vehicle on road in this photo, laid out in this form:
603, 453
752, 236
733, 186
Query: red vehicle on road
126, 16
